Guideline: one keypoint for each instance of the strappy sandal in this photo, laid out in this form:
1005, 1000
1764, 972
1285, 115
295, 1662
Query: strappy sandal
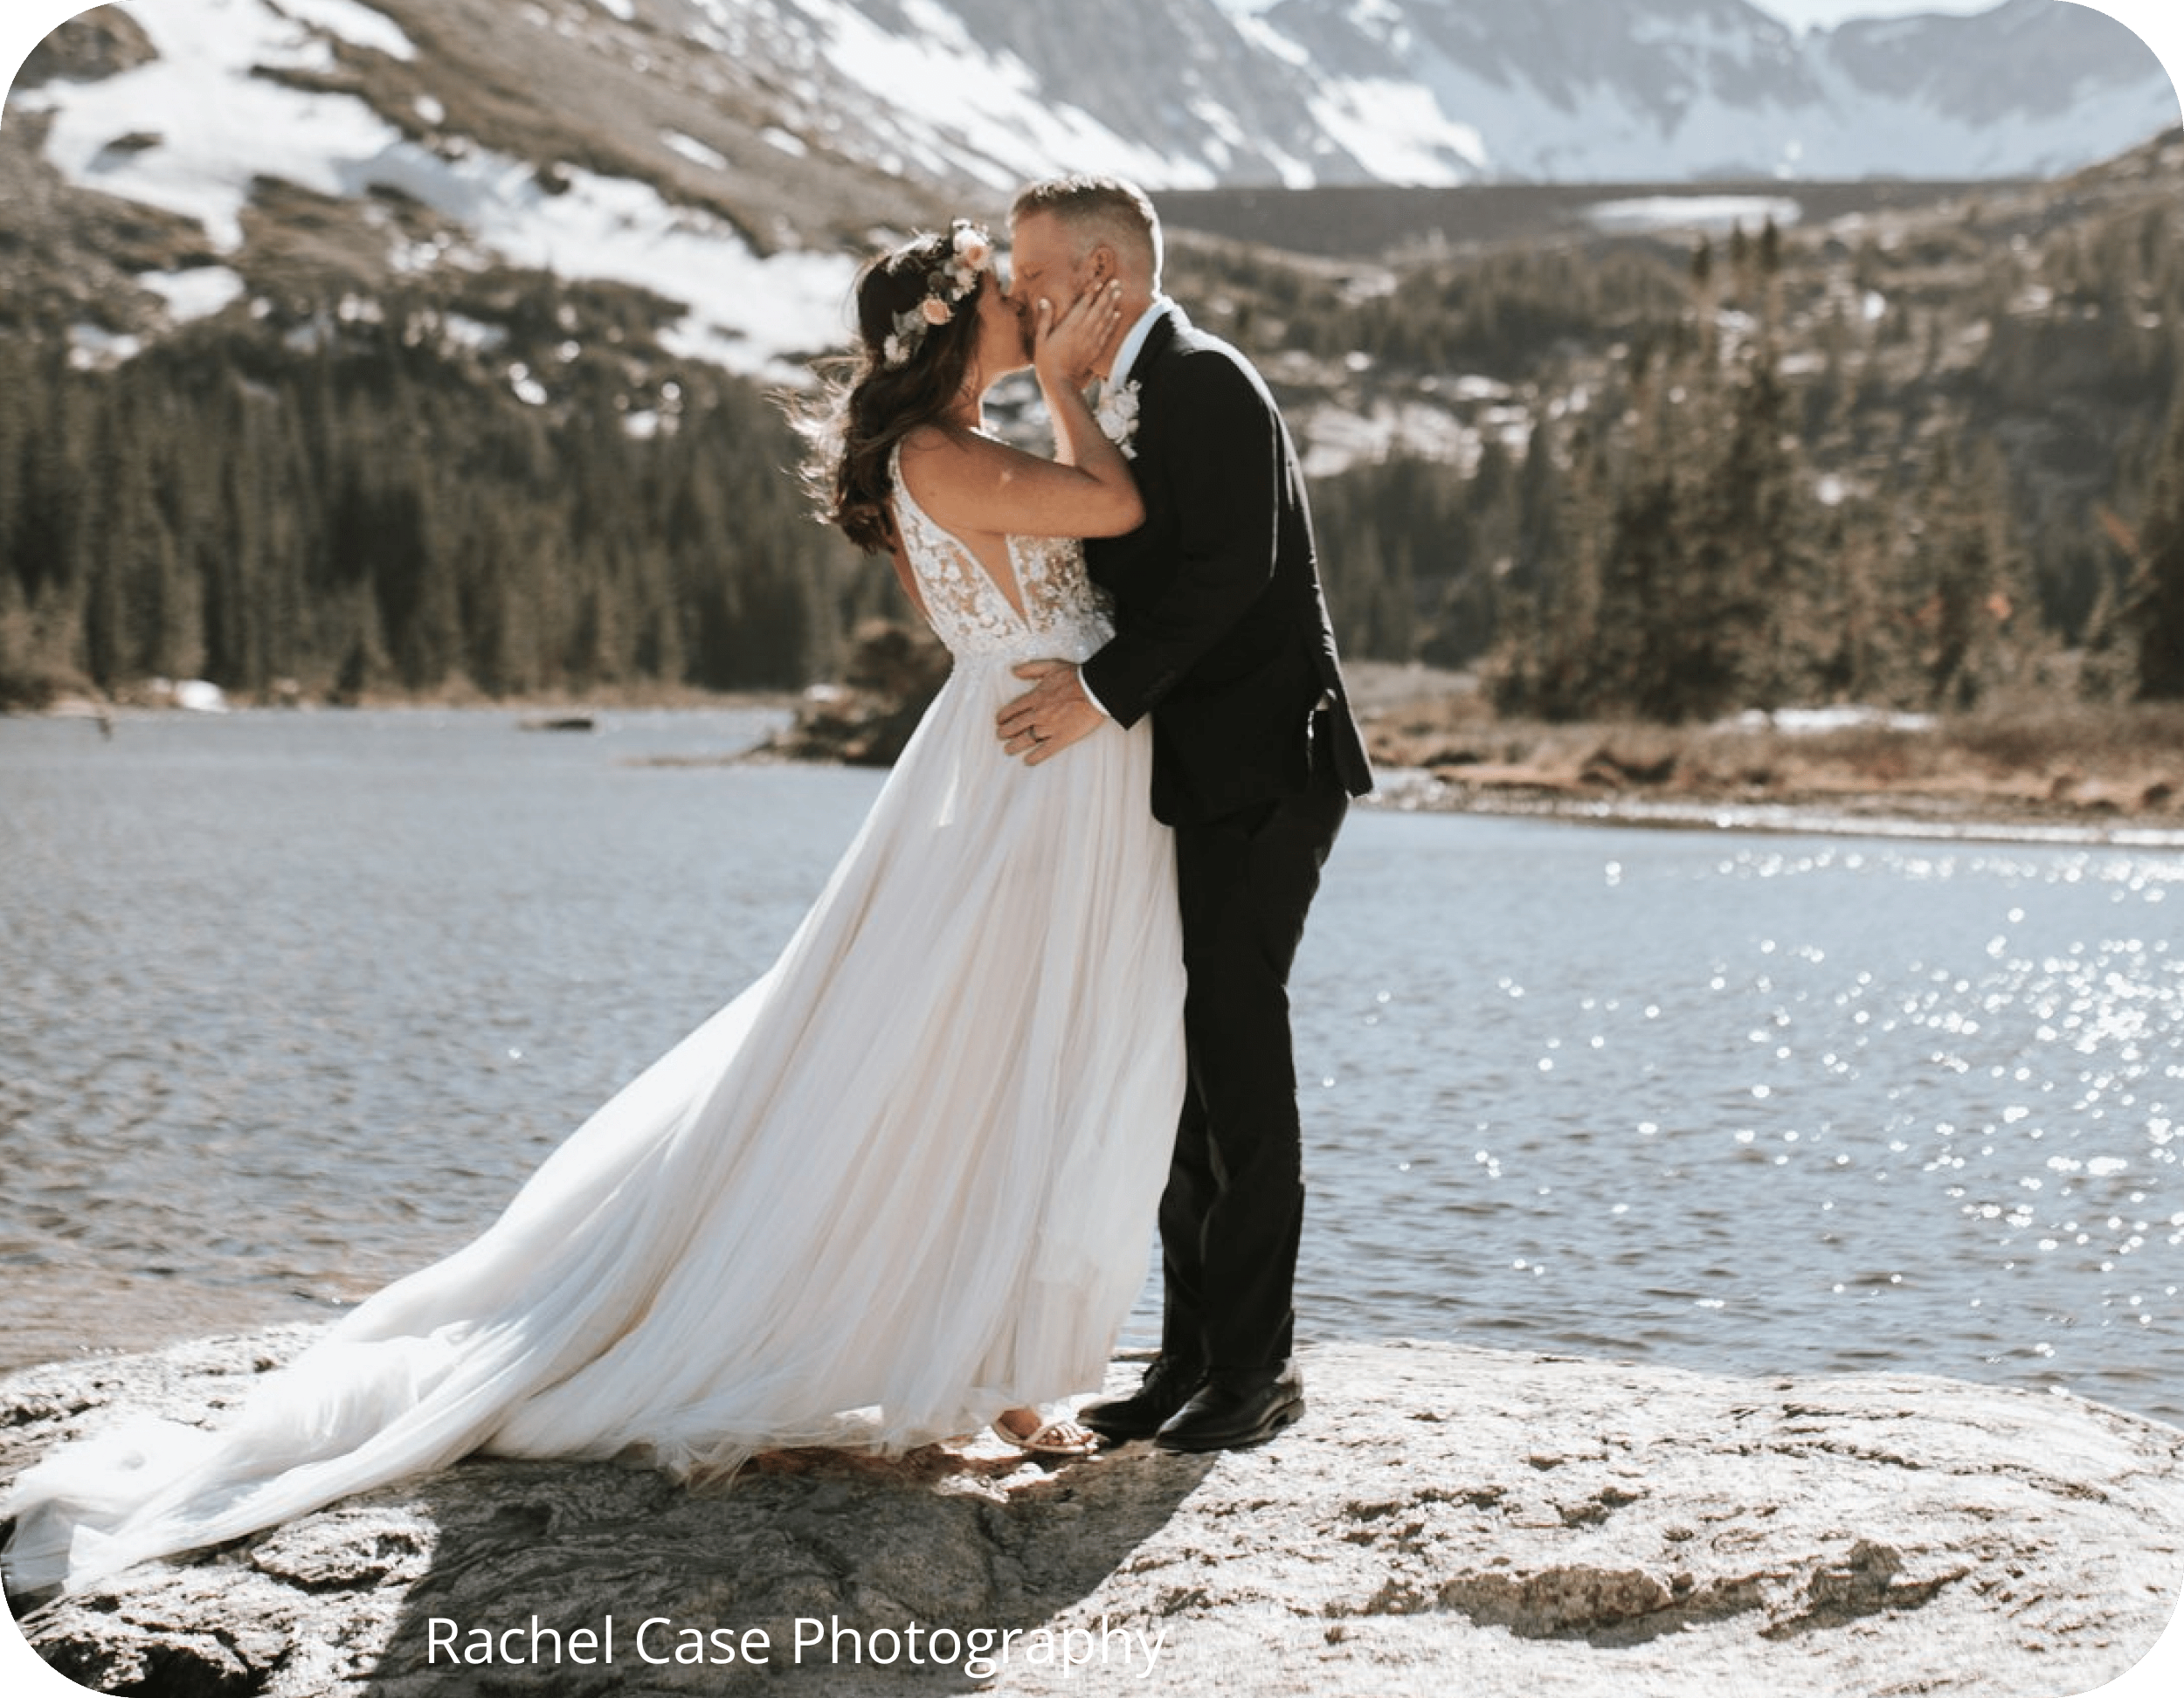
1060, 1437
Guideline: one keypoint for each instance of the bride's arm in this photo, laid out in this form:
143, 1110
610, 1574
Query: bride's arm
974, 484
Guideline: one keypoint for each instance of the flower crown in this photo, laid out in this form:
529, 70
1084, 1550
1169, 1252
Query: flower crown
969, 253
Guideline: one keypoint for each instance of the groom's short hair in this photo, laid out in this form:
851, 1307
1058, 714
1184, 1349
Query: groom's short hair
1098, 209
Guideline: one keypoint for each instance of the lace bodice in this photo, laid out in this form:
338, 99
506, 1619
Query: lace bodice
1065, 617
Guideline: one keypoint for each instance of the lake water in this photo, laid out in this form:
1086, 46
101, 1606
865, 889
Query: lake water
290, 1003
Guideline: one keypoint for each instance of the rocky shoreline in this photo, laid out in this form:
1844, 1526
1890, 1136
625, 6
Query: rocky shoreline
1447, 1520
2068, 774
1842, 813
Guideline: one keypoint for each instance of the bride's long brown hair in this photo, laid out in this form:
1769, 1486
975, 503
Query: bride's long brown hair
867, 405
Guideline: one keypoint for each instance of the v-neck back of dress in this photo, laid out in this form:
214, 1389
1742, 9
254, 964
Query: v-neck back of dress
1061, 614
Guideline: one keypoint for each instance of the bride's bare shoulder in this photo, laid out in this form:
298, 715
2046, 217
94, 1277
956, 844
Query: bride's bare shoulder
939, 441
944, 458
937, 451
924, 438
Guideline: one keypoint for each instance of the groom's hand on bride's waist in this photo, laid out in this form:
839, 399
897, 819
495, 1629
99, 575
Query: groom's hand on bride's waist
1055, 713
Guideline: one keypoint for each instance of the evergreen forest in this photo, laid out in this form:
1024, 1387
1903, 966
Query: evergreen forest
349, 507
1933, 461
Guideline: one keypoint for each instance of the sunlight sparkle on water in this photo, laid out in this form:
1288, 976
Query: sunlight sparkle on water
2010, 1076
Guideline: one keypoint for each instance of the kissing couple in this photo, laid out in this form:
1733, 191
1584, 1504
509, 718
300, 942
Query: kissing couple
901, 1186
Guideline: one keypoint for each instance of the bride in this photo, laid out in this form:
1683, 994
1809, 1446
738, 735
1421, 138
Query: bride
900, 1187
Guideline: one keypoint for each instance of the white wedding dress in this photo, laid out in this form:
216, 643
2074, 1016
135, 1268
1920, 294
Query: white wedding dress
905, 1181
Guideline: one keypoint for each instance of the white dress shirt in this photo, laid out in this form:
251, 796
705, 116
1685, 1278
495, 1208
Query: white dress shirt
1133, 344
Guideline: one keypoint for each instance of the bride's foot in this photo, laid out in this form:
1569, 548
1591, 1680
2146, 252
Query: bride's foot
1060, 1437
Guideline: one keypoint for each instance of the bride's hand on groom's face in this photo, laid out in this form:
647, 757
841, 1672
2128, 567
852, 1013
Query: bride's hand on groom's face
1068, 346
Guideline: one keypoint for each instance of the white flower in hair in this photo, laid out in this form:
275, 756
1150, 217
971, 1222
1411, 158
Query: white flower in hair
969, 253
971, 244
1117, 416
974, 253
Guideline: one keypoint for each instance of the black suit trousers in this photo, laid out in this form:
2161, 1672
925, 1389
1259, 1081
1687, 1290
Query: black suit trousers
1233, 1209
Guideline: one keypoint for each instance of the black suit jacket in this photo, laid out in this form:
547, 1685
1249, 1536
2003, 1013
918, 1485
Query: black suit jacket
1221, 628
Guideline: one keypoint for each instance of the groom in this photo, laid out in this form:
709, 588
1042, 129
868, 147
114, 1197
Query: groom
1222, 635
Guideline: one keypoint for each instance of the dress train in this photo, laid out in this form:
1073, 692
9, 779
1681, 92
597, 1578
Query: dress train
904, 1181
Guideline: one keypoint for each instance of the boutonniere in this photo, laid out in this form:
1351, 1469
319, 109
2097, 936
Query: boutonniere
1117, 416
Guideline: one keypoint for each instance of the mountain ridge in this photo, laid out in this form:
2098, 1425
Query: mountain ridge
731, 154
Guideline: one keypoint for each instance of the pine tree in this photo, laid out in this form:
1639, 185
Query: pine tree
1965, 578
2158, 602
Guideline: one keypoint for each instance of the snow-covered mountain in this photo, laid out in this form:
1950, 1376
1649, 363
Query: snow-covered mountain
727, 153
1192, 93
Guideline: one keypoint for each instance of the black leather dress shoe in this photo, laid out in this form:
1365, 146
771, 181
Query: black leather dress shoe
1167, 1386
1236, 1415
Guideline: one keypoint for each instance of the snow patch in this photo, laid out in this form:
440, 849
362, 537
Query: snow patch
460, 330
1815, 722
694, 150
222, 128
1256, 32
745, 312
1334, 438
1874, 33
1717, 212
197, 292
943, 91
1398, 131
91, 348
358, 25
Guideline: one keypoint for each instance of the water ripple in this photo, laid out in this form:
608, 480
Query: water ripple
293, 1002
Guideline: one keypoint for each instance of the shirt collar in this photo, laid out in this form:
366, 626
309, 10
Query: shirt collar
1134, 343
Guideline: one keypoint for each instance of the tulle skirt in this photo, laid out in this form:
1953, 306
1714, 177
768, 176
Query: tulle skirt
904, 1181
